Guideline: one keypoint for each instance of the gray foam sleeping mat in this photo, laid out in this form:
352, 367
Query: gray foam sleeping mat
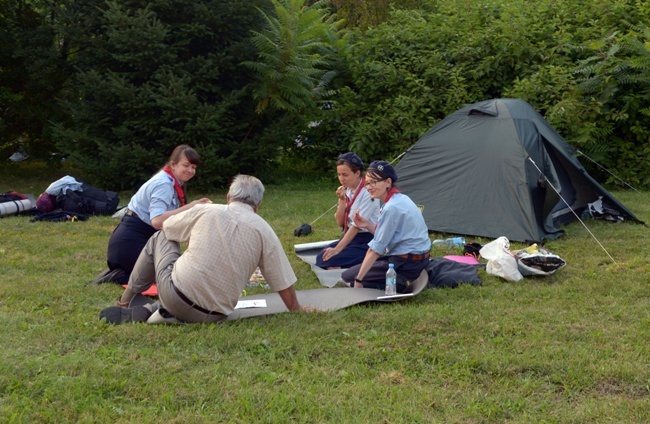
325, 299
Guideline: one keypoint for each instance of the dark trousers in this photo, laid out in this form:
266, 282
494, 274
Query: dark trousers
353, 253
126, 242
407, 270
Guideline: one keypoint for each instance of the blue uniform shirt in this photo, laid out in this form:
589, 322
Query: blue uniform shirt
154, 197
401, 228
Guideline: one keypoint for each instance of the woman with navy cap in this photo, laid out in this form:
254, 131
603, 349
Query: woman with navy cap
353, 197
400, 237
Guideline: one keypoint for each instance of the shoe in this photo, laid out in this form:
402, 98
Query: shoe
162, 316
109, 275
117, 315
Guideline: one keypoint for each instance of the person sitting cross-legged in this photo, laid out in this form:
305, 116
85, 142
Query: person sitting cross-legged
400, 237
226, 243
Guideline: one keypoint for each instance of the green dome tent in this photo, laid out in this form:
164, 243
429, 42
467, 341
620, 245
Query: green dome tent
487, 170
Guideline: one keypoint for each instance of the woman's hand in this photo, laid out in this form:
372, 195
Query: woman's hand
329, 253
200, 201
340, 193
360, 221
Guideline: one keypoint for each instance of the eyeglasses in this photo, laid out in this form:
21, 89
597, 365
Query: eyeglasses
371, 183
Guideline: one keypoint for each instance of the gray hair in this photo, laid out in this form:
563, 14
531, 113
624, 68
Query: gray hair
246, 189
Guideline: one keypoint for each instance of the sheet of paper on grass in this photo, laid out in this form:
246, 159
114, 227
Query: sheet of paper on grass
308, 252
258, 303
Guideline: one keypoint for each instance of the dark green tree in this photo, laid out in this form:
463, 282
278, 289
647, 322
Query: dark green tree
32, 75
152, 75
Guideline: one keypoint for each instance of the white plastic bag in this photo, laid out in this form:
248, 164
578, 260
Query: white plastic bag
501, 262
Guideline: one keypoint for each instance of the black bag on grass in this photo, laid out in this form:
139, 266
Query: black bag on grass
89, 201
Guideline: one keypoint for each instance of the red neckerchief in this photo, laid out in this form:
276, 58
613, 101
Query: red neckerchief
177, 185
349, 203
390, 193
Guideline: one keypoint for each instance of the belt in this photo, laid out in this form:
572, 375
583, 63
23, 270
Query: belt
129, 212
192, 304
418, 257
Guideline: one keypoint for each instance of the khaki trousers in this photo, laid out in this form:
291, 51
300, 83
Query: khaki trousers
154, 265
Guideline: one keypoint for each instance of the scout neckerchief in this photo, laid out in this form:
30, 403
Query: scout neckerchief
349, 203
390, 193
177, 185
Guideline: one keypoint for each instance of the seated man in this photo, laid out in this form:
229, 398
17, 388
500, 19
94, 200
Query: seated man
226, 243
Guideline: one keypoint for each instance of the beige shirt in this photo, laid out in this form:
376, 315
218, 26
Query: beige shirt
226, 243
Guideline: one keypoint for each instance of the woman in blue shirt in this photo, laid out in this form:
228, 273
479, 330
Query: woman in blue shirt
400, 237
351, 248
156, 200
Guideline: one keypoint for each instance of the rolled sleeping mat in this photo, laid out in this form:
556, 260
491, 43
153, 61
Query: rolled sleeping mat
15, 206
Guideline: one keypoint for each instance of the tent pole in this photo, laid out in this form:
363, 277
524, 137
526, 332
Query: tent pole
607, 170
571, 209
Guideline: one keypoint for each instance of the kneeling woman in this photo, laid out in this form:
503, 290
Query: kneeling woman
156, 200
352, 247
401, 236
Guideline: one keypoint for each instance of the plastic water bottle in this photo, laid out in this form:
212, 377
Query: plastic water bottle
391, 277
450, 242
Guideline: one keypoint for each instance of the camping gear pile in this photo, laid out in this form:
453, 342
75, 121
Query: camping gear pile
497, 168
515, 265
70, 195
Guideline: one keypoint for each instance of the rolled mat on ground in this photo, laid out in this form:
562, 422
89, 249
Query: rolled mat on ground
15, 204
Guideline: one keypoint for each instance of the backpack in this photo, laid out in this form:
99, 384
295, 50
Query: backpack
10, 196
89, 201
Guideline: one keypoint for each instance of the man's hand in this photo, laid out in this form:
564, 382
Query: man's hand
289, 298
309, 309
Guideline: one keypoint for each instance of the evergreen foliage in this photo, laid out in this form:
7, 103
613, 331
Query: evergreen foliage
249, 83
155, 75
32, 74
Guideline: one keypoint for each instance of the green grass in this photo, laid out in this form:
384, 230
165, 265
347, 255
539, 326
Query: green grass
572, 347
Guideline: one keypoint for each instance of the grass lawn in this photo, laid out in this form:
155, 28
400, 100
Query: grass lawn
572, 347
